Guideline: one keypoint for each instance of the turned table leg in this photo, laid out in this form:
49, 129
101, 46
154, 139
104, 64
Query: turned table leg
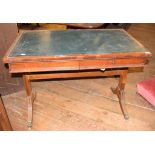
31, 97
119, 91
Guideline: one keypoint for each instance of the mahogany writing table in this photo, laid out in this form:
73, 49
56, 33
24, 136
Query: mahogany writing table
75, 53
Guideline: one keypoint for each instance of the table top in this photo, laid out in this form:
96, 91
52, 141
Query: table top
66, 42
59, 50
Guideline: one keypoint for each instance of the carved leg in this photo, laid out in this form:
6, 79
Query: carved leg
119, 91
30, 99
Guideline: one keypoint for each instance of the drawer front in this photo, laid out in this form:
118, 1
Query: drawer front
130, 62
112, 63
43, 66
96, 64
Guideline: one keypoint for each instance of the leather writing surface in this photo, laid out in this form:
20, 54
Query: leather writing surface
64, 42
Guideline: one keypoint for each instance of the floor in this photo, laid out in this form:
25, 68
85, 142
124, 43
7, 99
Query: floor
88, 104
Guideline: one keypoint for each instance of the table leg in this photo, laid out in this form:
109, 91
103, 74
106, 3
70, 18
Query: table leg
119, 91
31, 97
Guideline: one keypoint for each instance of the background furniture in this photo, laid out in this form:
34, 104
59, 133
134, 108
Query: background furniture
4, 120
8, 84
85, 25
61, 26
97, 25
146, 89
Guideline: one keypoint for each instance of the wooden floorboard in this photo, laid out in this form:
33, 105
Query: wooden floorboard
88, 104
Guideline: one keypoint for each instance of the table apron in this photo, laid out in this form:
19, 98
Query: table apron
38, 66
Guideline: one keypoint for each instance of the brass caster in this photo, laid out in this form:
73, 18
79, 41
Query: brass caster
126, 116
29, 125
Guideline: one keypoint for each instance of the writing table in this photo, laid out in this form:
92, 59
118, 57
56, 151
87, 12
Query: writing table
64, 54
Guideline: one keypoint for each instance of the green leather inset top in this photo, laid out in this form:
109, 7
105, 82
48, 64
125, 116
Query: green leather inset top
64, 42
